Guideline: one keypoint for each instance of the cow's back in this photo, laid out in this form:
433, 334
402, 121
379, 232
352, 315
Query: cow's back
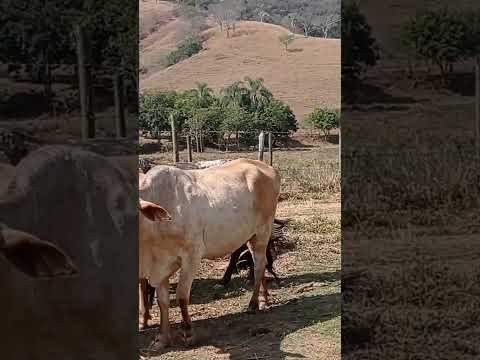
224, 205
86, 206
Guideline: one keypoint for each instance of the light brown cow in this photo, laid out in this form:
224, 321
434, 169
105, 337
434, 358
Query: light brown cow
213, 212
154, 213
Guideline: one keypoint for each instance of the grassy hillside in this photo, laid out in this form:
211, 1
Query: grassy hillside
307, 75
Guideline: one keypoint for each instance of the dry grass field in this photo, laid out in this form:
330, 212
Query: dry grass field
306, 76
304, 317
409, 207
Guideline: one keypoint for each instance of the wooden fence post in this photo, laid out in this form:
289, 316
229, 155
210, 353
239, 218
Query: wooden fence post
189, 148
88, 120
120, 128
340, 147
174, 139
197, 141
477, 108
270, 148
261, 145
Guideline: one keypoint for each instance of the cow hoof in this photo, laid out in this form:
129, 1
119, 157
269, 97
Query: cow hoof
252, 308
189, 339
160, 343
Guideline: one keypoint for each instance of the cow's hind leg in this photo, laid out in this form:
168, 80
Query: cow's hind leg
258, 245
270, 264
190, 266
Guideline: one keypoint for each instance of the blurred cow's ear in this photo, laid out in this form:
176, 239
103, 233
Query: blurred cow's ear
35, 257
154, 212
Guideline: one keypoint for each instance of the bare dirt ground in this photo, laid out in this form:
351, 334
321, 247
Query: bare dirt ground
306, 76
303, 320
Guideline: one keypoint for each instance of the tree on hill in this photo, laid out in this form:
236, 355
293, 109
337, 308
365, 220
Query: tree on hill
226, 14
286, 40
318, 17
328, 18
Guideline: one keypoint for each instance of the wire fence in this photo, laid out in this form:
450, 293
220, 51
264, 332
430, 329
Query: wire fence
237, 141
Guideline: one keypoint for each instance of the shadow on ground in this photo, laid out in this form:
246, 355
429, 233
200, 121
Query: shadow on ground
205, 291
244, 336
363, 93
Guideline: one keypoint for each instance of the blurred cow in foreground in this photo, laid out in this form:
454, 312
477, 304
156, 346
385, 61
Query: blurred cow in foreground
68, 212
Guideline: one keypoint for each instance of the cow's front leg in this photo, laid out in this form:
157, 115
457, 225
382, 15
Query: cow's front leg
187, 274
145, 305
162, 339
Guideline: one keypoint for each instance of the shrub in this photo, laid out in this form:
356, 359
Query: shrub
324, 119
439, 37
359, 48
185, 49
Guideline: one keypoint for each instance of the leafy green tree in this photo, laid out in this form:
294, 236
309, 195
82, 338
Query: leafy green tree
155, 110
258, 95
359, 48
439, 37
324, 119
204, 95
235, 94
236, 119
472, 19
277, 117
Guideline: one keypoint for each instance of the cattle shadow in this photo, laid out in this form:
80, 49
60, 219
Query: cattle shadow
241, 335
205, 291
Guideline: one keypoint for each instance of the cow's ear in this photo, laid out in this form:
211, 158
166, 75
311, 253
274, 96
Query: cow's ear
154, 212
35, 257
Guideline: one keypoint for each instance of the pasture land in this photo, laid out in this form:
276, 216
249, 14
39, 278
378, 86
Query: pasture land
410, 219
303, 319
